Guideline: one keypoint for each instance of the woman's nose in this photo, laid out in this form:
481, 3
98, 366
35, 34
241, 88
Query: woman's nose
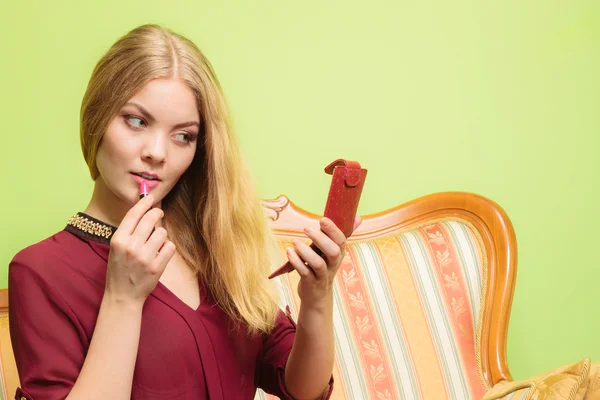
155, 148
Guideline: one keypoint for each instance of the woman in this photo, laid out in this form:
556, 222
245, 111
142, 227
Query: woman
167, 297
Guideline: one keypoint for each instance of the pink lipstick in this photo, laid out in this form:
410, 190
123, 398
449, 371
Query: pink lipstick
144, 190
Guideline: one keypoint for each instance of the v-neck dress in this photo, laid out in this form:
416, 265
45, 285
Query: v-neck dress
55, 290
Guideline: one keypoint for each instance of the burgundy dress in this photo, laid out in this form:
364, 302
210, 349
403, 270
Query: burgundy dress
56, 287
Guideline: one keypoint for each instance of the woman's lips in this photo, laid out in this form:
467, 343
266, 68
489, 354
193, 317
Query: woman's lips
139, 180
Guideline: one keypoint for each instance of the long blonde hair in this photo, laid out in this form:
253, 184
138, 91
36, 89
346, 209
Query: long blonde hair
212, 214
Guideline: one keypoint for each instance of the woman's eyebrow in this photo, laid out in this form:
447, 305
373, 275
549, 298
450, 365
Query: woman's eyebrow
146, 114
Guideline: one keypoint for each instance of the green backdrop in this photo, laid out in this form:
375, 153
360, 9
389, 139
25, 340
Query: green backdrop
430, 96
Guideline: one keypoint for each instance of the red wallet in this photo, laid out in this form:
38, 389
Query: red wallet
342, 202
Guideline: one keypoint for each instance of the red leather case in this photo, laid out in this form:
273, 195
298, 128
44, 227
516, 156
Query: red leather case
342, 202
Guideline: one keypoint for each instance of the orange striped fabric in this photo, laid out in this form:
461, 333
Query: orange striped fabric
406, 314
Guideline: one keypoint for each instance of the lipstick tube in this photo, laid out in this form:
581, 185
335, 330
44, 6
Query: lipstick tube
144, 190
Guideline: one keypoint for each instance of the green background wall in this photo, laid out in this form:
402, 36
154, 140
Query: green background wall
430, 96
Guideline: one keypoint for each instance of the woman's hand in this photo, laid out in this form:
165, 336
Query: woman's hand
317, 275
138, 255
310, 363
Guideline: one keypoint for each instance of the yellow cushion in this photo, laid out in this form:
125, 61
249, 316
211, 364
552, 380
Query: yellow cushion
577, 381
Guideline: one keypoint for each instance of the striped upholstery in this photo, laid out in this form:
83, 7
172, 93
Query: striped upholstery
407, 312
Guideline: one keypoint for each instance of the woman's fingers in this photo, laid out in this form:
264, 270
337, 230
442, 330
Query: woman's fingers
303, 270
316, 263
332, 231
326, 244
156, 240
163, 257
134, 215
357, 222
148, 222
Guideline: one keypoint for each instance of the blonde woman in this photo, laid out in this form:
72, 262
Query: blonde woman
167, 296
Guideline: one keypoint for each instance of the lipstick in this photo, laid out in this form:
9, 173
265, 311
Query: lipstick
144, 190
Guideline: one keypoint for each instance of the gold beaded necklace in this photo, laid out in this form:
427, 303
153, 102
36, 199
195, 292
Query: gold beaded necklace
90, 226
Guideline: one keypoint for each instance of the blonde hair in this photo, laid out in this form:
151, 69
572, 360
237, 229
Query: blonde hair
212, 214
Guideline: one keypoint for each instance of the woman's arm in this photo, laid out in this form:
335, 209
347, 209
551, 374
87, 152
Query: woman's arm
310, 364
107, 372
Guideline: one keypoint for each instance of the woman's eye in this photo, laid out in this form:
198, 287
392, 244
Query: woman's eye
134, 121
184, 137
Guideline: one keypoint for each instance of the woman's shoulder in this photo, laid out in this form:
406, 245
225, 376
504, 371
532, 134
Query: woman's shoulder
56, 245
49, 255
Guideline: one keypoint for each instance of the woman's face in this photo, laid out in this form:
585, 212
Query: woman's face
153, 138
